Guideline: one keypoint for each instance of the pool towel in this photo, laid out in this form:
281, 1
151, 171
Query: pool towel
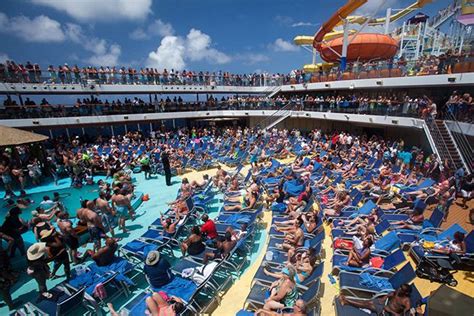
119, 265
373, 282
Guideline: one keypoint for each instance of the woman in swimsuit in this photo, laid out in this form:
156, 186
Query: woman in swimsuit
283, 292
194, 244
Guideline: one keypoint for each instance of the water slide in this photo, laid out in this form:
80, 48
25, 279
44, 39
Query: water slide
357, 19
352, 5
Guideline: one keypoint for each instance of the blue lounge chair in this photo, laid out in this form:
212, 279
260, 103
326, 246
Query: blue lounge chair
390, 262
353, 285
258, 292
64, 301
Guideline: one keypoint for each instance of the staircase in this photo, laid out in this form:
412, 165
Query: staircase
445, 145
272, 91
276, 117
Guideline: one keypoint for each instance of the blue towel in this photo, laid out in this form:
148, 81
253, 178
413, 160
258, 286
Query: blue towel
294, 190
388, 242
119, 265
236, 220
243, 312
373, 282
138, 246
89, 280
279, 207
179, 287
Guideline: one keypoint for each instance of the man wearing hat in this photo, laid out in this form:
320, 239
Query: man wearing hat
57, 251
38, 267
157, 269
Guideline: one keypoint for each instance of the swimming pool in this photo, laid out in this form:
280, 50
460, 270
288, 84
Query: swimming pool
70, 197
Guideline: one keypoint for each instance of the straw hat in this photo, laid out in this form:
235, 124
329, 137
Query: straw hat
36, 251
152, 258
46, 233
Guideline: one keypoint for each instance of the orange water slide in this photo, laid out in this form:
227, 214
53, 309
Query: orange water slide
342, 13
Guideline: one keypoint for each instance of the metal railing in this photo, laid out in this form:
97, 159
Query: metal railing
442, 148
281, 112
461, 141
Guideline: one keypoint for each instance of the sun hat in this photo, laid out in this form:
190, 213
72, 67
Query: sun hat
46, 233
36, 251
152, 258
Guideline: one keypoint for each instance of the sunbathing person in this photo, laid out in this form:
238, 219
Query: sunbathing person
304, 265
294, 239
361, 226
437, 189
278, 194
297, 204
397, 303
194, 244
342, 200
283, 292
105, 255
359, 257
195, 185
164, 306
249, 201
457, 245
169, 226
224, 246
414, 221
323, 181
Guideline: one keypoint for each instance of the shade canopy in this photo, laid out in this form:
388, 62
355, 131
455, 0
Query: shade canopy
12, 136
446, 301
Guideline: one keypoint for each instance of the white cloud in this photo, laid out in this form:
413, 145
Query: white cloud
4, 57
103, 52
298, 24
109, 58
170, 54
40, 29
156, 28
101, 10
280, 45
175, 51
199, 48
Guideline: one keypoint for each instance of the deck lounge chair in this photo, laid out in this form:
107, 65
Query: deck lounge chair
351, 283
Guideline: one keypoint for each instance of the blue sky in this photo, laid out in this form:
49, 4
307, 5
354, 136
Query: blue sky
232, 35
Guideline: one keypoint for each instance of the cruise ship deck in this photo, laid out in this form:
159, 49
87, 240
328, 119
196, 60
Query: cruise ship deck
340, 187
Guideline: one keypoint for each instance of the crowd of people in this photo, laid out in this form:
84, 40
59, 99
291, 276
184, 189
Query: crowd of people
336, 152
396, 104
10, 71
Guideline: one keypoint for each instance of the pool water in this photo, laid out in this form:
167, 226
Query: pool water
70, 197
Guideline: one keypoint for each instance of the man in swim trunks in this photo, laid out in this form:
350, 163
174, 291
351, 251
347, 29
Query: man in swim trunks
69, 234
108, 214
224, 246
94, 223
395, 304
121, 206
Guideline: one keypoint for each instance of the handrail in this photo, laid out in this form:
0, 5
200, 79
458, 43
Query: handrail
440, 140
465, 149
288, 107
